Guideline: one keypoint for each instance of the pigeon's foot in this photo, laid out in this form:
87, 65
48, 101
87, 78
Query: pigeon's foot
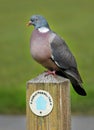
50, 73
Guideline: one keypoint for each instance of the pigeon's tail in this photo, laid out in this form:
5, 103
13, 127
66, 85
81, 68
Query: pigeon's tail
79, 89
77, 84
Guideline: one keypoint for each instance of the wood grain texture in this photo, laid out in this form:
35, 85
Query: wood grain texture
59, 89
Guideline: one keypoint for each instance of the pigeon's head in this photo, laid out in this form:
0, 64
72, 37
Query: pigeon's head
38, 21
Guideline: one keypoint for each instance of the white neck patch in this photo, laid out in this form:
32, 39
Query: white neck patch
43, 29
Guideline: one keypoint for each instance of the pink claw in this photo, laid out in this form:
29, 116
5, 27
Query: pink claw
50, 72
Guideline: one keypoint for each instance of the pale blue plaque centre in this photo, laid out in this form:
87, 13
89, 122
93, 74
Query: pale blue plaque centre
41, 103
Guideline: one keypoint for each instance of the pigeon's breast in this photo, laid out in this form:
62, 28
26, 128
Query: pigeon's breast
41, 49
39, 46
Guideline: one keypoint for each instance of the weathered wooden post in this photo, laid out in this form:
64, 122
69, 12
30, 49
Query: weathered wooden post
59, 117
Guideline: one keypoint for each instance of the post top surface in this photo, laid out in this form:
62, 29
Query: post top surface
43, 78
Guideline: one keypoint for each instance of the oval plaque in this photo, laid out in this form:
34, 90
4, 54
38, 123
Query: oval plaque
41, 103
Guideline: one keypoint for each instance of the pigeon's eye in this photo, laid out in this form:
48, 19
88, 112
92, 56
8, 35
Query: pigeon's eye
36, 19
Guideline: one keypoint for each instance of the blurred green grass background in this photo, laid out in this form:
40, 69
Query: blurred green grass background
72, 20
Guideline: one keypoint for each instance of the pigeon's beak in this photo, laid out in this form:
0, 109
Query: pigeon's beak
29, 23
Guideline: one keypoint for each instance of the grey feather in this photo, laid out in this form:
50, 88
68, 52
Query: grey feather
64, 58
62, 54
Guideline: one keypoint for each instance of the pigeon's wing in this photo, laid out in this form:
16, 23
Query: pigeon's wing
63, 58
61, 54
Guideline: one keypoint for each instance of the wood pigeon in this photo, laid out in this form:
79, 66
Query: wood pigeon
51, 51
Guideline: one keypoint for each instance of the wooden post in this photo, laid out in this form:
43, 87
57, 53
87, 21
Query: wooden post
59, 89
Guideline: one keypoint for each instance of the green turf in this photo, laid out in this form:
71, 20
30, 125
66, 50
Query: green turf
73, 20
